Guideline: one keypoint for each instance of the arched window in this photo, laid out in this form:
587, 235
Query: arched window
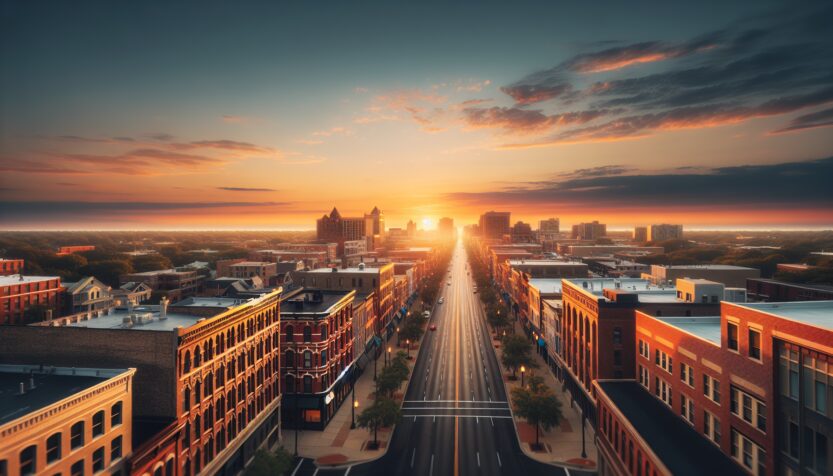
307, 334
197, 392
29, 460
98, 423
307, 384
289, 384
289, 359
197, 357
323, 332
187, 361
53, 448
290, 333
186, 399
307, 359
169, 467
115, 414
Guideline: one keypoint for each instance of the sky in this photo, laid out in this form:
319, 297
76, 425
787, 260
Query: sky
265, 115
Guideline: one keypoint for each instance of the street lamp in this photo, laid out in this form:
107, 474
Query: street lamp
523, 371
355, 406
387, 357
408, 343
398, 340
583, 452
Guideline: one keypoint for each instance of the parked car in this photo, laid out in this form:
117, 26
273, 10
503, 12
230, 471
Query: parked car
432, 327
440, 301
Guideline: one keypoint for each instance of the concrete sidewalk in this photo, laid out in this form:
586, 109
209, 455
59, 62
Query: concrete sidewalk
562, 444
337, 444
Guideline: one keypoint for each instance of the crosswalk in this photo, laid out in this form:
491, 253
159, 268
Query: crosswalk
455, 408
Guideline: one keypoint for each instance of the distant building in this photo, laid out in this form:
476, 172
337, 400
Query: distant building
175, 283
338, 229
581, 251
772, 290
61, 420
550, 226
375, 224
355, 248
21, 294
445, 228
411, 229
249, 269
494, 224
589, 231
731, 276
10, 266
87, 295
317, 349
68, 250
794, 267
664, 232
522, 233
640, 234
131, 292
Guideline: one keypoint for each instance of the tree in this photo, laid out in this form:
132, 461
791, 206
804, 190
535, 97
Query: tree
151, 263
266, 463
537, 404
517, 351
383, 412
107, 271
412, 331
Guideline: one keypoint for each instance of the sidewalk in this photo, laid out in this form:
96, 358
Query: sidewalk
561, 444
337, 444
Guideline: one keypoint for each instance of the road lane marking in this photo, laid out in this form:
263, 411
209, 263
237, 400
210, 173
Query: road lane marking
431, 470
298, 466
499, 463
478, 459
413, 453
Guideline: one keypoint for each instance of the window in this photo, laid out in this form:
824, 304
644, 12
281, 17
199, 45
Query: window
687, 374
617, 335
98, 423
307, 359
98, 460
617, 357
755, 344
77, 468
115, 448
732, 335
747, 453
663, 391
115, 414
289, 384
815, 450
289, 359
711, 427
323, 332
644, 377
711, 388
665, 361
307, 384
687, 408
76, 439
749, 408
307, 334
644, 349
29, 460
290, 334
53, 448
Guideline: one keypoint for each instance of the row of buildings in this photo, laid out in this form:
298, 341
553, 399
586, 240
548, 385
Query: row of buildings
118, 382
675, 369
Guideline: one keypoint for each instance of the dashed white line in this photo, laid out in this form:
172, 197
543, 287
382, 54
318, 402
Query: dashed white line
431, 470
478, 459
499, 463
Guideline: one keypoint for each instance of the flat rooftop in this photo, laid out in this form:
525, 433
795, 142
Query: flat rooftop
815, 287
251, 263
311, 302
366, 269
814, 313
723, 267
688, 453
144, 318
51, 386
705, 327
218, 302
14, 279
648, 292
544, 262
546, 285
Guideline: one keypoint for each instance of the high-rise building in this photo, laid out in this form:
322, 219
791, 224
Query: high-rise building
375, 222
445, 228
664, 232
640, 234
550, 226
494, 224
411, 229
589, 231
522, 233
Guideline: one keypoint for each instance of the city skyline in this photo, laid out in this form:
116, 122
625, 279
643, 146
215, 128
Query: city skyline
148, 116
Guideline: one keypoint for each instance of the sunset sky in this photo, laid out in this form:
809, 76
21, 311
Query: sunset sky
204, 115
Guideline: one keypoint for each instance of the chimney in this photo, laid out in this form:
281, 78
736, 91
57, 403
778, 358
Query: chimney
163, 309
31, 383
22, 388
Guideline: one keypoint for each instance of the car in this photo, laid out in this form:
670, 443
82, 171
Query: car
440, 301
432, 327
475, 291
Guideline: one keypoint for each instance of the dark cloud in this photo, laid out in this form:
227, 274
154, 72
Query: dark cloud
800, 184
823, 118
521, 120
246, 189
768, 65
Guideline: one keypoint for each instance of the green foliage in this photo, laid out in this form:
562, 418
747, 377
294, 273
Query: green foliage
517, 351
392, 376
412, 329
384, 412
151, 263
108, 271
266, 463
538, 405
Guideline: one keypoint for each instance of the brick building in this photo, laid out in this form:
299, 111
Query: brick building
772, 290
317, 346
494, 224
58, 420
174, 284
213, 374
19, 294
10, 266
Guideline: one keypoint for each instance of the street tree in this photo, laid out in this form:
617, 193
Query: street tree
538, 405
384, 412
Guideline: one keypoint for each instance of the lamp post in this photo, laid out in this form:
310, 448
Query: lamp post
583, 452
387, 357
523, 371
375, 364
355, 405
408, 343
398, 340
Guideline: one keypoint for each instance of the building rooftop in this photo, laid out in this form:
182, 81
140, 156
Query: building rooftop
311, 301
725, 267
814, 313
366, 269
145, 318
251, 263
14, 279
546, 285
52, 384
705, 327
216, 302
543, 262
688, 453
160, 271
815, 287
648, 292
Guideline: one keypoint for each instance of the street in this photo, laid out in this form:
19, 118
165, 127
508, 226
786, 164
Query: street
456, 417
